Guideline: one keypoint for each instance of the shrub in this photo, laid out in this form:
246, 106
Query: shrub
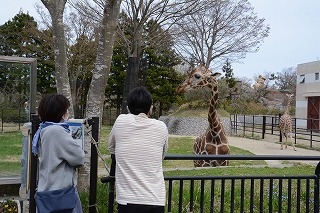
14, 116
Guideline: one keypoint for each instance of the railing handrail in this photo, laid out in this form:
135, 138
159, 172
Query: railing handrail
239, 157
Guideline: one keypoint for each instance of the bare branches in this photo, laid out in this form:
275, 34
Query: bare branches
164, 13
222, 29
92, 9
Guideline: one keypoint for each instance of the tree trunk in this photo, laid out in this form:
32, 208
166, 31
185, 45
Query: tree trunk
96, 93
56, 8
131, 80
132, 75
160, 109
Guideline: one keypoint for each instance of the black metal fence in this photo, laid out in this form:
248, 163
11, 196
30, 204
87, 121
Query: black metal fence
265, 127
268, 193
12, 119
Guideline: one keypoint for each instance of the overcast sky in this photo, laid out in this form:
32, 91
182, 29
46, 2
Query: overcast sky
294, 35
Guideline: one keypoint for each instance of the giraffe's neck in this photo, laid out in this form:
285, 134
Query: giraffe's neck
288, 106
213, 119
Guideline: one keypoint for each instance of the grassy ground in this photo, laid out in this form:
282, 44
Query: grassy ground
10, 151
184, 145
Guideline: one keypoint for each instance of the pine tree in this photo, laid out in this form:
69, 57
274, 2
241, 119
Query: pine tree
229, 74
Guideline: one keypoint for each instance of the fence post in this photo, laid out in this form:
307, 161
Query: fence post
295, 130
316, 189
280, 134
272, 123
94, 122
19, 117
311, 138
263, 126
244, 125
2, 119
252, 126
235, 116
33, 165
112, 182
231, 124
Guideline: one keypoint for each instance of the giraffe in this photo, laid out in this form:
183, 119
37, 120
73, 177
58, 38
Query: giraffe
213, 141
285, 124
260, 82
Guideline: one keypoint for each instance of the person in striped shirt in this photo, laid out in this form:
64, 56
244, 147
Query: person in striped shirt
139, 144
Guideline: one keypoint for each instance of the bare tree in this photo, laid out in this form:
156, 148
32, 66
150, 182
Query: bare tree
286, 80
56, 9
81, 56
223, 29
163, 13
105, 14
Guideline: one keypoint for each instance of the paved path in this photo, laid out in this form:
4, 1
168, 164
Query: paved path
262, 147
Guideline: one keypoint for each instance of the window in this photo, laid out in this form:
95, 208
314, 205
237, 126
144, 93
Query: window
302, 79
316, 76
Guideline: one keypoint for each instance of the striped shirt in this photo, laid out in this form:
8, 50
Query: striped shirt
139, 144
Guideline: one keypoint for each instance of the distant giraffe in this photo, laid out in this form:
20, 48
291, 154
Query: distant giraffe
260, 83
213, 141
285, 125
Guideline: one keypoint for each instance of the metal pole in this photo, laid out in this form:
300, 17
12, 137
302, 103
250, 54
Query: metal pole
112, 182
263, 126
2, 118
280, 134
33, 87
34, 165
252, 126
244, 125
94, 122
316, 189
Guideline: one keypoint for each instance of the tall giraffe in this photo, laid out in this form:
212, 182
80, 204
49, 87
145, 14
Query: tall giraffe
285, 124
213, 141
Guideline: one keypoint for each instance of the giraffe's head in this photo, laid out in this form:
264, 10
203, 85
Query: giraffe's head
199, 77
289, 96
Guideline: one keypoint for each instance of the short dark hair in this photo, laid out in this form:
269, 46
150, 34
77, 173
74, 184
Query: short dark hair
139, 101
52, 107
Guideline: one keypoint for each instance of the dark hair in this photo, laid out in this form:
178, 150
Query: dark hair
139, 101
52, 107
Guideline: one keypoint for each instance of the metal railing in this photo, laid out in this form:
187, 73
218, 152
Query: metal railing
12, 119
260, 193
264, 126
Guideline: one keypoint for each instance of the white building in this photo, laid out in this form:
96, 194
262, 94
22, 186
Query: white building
308, 95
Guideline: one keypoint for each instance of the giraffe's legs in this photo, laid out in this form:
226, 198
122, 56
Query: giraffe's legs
286, 141
294, 148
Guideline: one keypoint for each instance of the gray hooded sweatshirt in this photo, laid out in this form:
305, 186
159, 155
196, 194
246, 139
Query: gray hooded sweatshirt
58, 156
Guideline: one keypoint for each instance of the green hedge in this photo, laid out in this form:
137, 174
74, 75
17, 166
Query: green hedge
13, 115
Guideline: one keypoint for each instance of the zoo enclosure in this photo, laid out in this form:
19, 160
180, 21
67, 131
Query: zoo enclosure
12, 119
263, 126
267, 193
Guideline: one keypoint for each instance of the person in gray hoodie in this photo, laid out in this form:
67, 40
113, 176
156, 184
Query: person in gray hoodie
59, 154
